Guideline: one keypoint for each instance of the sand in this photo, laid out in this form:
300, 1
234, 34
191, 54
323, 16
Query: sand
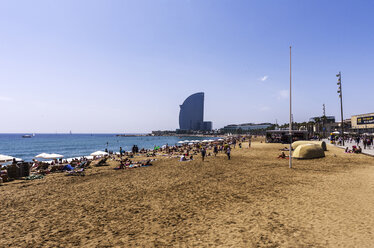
253, 200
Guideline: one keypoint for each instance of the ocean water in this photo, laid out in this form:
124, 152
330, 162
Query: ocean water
76, 145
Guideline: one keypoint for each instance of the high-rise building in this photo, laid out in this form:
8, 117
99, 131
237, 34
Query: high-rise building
191, 115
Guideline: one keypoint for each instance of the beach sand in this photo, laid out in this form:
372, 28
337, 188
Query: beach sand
252, 200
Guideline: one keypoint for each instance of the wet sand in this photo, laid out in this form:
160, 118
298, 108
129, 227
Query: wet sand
252, 200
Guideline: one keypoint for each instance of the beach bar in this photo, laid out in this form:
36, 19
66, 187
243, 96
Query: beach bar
282, 136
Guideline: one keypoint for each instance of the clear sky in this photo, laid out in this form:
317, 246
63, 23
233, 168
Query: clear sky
126, 66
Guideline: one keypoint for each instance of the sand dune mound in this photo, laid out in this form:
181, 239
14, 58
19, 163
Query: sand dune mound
303, 142
308, 151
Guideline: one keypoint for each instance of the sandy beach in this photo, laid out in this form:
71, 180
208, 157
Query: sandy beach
252, 200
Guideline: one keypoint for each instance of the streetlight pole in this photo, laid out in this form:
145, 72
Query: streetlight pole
339, 76
290, 126
324, 121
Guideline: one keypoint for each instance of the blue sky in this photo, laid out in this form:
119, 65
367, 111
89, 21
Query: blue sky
126, 66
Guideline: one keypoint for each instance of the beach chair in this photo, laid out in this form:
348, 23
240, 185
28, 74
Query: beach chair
79, 172
102, 162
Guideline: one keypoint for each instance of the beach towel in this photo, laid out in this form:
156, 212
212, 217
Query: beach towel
33, 177
68, 167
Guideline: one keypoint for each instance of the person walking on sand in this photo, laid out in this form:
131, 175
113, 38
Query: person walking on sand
215, 150
203, 152
249, 143
228, 150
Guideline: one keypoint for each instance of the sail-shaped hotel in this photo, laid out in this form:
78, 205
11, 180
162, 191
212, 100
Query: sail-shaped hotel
191, 115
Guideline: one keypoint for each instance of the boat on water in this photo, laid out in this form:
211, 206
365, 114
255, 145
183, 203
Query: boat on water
26, 136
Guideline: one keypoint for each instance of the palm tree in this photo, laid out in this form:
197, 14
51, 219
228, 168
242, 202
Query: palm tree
317, 122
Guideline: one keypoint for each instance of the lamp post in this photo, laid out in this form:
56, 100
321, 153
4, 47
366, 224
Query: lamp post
290, 126
324, 121
339, 83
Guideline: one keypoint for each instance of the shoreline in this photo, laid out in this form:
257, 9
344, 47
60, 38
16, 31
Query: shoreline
21, 148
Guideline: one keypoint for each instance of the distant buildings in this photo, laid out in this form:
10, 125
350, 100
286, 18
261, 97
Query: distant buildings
191, 115
325, 119
323, 125
357, 124
244, 128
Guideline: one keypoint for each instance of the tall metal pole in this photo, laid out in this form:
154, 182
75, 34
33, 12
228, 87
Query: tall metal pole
323, 121
341, 105
290, 126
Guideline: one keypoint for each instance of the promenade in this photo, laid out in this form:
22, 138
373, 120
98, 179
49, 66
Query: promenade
367, 151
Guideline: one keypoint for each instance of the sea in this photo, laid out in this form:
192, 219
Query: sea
77, 145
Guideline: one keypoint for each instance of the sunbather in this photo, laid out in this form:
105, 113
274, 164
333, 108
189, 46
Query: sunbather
282, 155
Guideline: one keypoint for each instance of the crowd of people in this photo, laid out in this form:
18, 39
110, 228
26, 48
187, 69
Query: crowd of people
355, 149
186, 151
365, 140
126, 159
355, 143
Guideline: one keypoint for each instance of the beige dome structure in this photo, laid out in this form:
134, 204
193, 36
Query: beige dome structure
303, 142
308, 151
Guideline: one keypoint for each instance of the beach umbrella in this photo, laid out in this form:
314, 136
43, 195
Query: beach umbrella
5, 158
186, 141
49, 156
41, 155
180, 142
220, 139
336, 132
190, 144
54, 156
99, 153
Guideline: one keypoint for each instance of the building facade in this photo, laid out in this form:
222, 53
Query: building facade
244, 128
363, 123
191, 115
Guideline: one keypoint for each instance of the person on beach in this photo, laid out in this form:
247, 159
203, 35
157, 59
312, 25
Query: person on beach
203, 152
215, 150
120, 151
359, 149
282, 155
228, 151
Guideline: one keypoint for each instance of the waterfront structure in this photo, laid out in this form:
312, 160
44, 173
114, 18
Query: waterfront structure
191, 115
